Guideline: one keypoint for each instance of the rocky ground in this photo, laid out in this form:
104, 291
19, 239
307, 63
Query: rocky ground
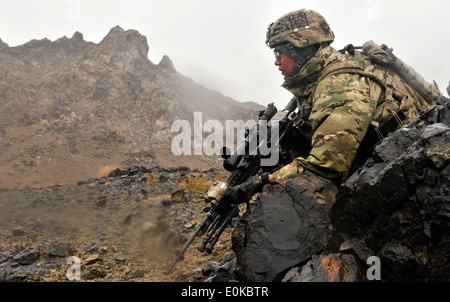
123, 227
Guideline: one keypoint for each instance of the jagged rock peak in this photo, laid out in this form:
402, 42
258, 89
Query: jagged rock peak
166, 64
118, 33
76, 43
38, 43
3, 44
127, 42
116, 29
77, 36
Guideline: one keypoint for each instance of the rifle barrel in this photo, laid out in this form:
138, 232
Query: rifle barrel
199, 230
180, 253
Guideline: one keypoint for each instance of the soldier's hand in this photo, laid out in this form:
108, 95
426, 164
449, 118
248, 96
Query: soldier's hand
251, 186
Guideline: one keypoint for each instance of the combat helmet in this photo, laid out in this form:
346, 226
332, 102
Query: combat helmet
302, 28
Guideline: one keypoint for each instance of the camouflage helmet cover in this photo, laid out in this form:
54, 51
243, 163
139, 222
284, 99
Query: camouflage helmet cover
301, 28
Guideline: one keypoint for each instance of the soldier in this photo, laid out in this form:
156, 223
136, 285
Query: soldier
339, 96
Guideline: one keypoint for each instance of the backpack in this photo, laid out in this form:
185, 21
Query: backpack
404, 89
406, 93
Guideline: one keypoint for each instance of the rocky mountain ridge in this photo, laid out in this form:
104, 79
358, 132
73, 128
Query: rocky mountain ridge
71, 107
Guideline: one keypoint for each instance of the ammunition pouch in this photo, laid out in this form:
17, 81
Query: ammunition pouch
377, 133
300, 123
296, 142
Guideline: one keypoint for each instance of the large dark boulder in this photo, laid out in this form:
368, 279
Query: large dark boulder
287, 224
398, 205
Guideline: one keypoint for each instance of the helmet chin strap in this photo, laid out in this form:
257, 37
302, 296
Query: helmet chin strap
300, 55
303, 55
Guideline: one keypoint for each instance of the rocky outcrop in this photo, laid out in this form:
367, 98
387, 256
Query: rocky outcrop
3, 45
125, 48
166, 64
396, 206
287, 224
389, 221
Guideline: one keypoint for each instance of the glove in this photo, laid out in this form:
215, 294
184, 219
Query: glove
247, 189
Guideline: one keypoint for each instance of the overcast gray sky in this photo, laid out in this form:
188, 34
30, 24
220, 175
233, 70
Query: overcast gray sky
221, 43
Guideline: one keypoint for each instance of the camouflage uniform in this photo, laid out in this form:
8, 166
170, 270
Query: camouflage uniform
341, 108
340, 96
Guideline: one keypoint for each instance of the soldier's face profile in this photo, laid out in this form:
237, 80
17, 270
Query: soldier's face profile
285, 64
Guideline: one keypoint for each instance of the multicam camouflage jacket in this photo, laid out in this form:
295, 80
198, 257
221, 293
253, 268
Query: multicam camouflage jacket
340, 96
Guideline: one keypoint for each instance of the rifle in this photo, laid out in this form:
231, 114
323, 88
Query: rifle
243, 164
